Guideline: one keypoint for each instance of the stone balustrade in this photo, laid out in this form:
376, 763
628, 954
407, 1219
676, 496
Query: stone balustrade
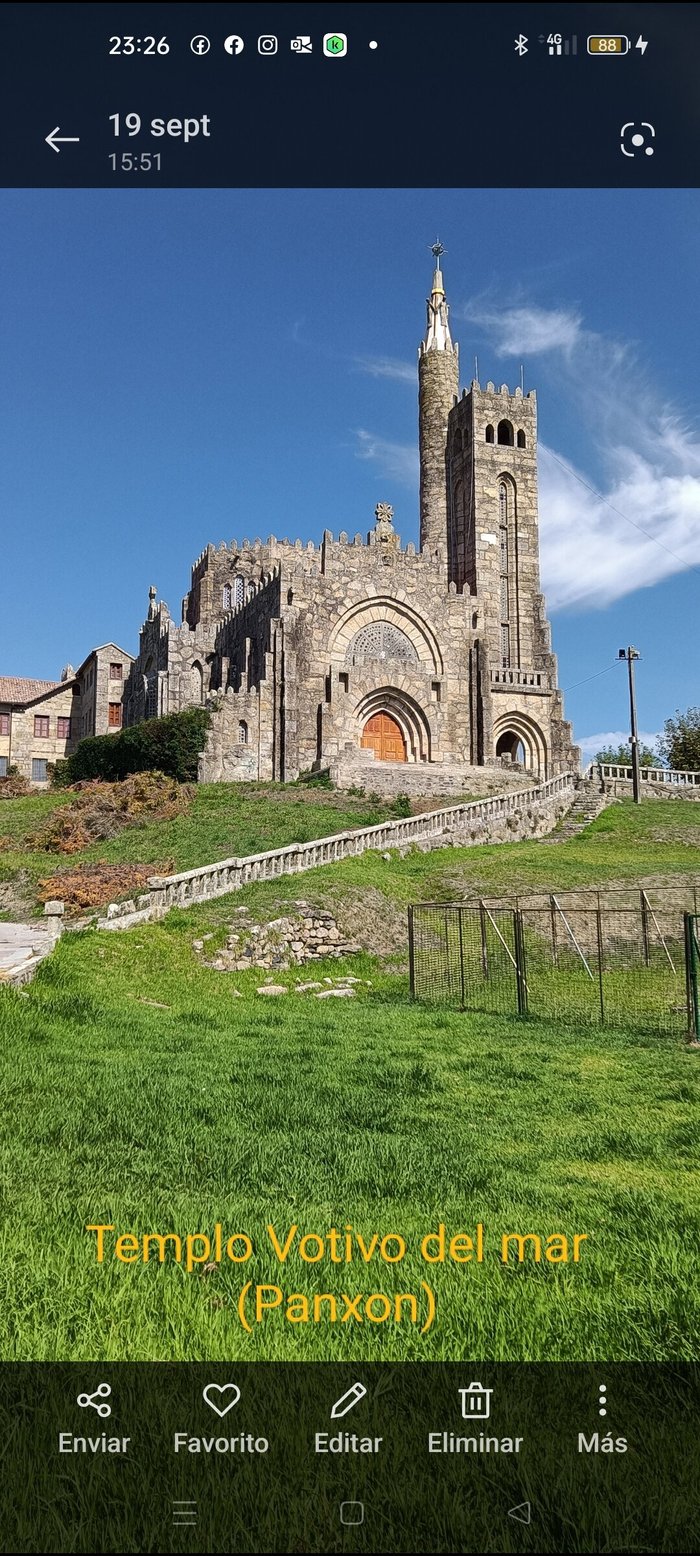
477, 817
669, 777
522, 678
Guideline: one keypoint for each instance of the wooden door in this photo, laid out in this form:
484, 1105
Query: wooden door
383, 736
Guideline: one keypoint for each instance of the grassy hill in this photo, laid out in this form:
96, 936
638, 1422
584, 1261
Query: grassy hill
223, 820
138, 1090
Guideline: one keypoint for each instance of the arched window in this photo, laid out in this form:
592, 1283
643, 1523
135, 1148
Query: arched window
521, 439
150, 689
233, 594
504, 571
490, 435
197, 683
242, 733
505, 433
381, 640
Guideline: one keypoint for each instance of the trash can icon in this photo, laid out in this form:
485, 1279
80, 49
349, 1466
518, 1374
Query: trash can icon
476, 1402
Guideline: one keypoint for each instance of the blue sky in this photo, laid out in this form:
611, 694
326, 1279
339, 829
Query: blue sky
186, 366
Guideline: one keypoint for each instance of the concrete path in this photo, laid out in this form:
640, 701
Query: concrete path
22, 948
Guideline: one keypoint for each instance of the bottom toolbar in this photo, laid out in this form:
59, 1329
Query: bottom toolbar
352, 1457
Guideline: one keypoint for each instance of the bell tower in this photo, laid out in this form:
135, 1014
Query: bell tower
438, 386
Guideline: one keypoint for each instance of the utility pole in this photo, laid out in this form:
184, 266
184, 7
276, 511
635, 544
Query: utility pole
630, 654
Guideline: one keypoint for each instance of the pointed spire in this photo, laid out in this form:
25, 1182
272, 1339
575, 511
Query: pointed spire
437, 334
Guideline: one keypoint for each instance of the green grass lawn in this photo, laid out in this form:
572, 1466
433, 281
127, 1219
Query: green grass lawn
137, 1090
225, 820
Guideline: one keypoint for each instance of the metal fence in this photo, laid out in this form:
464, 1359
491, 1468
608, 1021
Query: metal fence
587, 960
692, 963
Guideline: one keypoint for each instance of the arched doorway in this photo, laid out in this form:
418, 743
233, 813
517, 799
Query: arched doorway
518, 737
511, 745
384, 737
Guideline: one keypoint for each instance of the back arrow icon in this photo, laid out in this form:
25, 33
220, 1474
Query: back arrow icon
522, 1513
54, 137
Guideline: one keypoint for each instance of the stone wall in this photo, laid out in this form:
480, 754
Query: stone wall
22, 745
503, 818
98, 690
307, 935
438, 379
360, 769
528, 702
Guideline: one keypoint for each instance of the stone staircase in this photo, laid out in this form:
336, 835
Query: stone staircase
588, 803
22, 948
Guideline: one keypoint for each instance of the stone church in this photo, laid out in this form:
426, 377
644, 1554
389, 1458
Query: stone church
372, 659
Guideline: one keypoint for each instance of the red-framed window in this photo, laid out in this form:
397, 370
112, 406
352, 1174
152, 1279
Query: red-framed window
42, 726
115, 715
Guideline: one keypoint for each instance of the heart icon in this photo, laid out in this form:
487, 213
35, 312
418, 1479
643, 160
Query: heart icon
214, 1393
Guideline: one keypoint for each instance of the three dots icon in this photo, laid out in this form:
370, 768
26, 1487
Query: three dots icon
602, 1399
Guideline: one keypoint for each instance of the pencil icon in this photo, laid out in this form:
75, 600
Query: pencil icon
348, 1400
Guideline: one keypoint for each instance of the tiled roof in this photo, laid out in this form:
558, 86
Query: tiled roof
14, 688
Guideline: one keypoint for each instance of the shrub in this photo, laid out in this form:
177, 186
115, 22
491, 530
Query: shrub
311, 780
402, 806
94, 885
100, 810
13, 785
170, 745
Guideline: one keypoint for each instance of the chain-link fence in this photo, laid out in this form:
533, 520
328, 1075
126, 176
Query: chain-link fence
579, 957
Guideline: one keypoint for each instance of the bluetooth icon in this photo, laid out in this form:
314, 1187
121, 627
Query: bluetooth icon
521, 44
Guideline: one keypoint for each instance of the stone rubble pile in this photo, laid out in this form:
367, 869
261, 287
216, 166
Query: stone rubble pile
308, 935
341, 988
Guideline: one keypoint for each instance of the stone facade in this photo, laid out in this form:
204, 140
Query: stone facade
102, 678
38, 721
361, 650
42, 721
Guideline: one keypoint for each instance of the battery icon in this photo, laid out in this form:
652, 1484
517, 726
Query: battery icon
603, 43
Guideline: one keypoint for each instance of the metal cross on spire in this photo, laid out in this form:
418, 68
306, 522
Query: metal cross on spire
438, 250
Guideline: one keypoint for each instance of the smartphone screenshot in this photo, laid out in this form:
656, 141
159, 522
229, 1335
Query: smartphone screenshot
349, 778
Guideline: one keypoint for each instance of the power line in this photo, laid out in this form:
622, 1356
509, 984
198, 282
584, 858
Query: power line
588, 678
690, 566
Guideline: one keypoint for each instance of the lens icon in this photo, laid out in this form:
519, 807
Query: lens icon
267, 44
335, 44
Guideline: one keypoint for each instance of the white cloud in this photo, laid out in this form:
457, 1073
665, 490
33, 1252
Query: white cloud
644, 525
526, 332
389, 367
613, 737
646, 529
399, 461
642, 522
